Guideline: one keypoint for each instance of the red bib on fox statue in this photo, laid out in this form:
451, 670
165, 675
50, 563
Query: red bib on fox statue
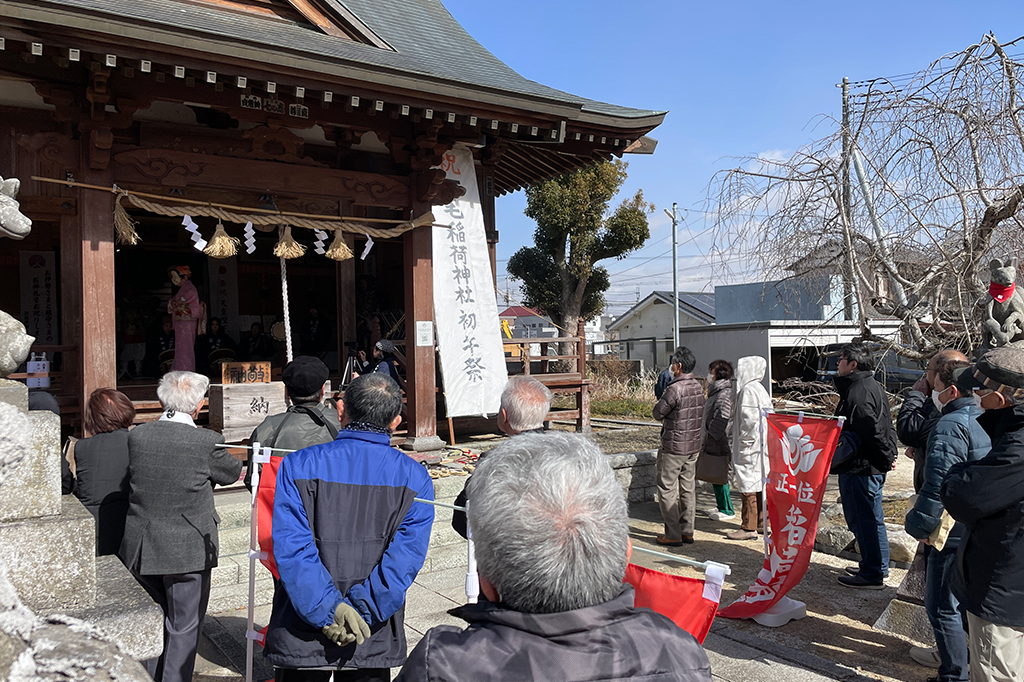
799, 453
1001, 292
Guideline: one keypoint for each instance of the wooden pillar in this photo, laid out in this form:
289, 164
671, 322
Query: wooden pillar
98, 355
483, 174
583, 397
419, 307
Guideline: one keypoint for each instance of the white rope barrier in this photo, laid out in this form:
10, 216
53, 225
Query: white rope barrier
702, 565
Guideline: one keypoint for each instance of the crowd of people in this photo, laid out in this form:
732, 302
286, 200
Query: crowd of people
964, 428
349, 536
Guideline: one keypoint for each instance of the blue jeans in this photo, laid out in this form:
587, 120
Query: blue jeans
862, 507
945, 613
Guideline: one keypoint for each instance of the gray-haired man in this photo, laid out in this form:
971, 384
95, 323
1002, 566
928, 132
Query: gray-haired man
525, 404
552, 551
170, 534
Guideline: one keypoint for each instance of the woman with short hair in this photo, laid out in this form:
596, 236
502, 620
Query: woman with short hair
101, 464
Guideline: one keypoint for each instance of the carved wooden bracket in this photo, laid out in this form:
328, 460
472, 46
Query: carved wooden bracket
87, 108
433, 188
492, 153
274, 143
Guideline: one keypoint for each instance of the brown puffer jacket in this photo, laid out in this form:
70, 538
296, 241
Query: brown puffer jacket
680, 411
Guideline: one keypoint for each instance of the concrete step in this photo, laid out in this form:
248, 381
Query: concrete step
444, 557
51, 560
233, 540
230, 597
233, 508
122, 610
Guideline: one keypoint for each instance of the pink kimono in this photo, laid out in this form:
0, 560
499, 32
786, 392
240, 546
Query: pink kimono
185, 309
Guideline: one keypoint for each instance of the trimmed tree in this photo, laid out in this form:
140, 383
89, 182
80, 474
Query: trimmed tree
575, 231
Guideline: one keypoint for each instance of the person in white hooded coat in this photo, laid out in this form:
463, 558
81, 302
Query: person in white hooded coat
749, 452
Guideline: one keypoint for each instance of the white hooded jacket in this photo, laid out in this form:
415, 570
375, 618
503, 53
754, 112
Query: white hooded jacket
749, 457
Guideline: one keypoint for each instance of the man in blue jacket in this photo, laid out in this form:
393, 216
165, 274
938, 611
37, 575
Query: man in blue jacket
956, 437
348, 542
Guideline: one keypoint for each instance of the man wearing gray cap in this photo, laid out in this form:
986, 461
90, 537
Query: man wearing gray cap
987, 496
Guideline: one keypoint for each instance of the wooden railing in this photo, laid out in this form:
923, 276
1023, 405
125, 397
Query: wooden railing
570, 382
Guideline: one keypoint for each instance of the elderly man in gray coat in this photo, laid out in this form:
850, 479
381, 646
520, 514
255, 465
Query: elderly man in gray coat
170, 535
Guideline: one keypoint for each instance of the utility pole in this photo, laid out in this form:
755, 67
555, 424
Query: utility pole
849, 278
675, 278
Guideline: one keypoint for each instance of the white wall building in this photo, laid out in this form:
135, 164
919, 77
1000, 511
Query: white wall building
645, 330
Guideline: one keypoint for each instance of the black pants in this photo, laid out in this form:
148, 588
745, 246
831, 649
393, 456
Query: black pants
310, 675
183, 599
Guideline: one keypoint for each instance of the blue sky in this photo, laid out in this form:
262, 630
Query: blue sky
738, 78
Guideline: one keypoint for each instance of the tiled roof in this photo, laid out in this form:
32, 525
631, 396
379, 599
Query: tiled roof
428, 42
703, 303
519, 311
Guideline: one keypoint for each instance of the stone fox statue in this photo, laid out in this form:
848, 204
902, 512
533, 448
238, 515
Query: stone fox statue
1003, 323
13, 223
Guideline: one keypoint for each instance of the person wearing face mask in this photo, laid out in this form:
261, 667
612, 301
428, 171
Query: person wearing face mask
987, 496
956, 437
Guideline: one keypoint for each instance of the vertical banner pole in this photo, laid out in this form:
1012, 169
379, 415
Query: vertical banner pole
765, 411
472, 579
253, 552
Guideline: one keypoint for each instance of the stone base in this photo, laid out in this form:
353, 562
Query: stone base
14, 393
123, 611
906, 619
51, 560
34, 488
423, 444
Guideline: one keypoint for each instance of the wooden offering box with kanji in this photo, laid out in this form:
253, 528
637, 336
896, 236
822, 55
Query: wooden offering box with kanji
238, 408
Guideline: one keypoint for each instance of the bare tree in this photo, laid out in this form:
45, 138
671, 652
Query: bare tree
942, 154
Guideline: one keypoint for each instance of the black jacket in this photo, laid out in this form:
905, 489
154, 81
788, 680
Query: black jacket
915, 421
987, 496
101, 463
866, 408
610, 641
459, 517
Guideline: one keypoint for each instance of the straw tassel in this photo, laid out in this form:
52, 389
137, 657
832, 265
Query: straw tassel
338, 250
124, 226
221, 245
287, 247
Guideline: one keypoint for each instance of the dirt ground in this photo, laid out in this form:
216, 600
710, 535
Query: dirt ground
838, 626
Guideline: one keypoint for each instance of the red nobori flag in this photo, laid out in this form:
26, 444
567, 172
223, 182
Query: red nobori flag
265, 511
799, 454
687, 602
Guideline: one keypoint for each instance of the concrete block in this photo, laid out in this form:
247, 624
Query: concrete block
14, 393
33, 488
902, 546
51, 560
912, 587
123, 611
908, 620
442, 558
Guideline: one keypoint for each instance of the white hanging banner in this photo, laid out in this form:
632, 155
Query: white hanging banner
465, 308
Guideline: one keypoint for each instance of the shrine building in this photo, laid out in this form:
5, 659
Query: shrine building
319, 110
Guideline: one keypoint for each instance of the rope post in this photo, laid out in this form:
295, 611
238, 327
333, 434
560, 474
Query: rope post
765, 411
472, 579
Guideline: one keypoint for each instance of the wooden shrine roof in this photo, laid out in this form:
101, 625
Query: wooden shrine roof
401, 50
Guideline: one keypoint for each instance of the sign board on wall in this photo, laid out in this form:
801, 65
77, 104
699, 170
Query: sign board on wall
39, 298
465, 308
224, 292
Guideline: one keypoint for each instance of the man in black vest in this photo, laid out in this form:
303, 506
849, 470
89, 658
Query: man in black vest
307, 421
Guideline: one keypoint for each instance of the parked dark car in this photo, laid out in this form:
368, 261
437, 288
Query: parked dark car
895, 372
